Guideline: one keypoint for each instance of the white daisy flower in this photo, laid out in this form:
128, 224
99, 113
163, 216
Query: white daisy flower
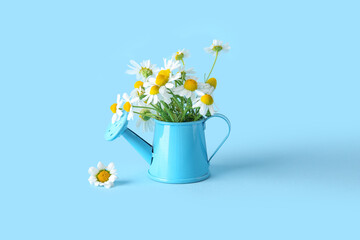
142, 70
217, 46
115, 109
145, 122
128, 105
181, 54
187, 89
205, 102
102, 175
154, 95
209, 86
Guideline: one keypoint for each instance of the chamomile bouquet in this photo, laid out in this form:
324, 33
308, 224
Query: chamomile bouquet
171, 94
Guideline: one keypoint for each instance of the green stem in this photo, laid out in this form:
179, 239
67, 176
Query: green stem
147, 114
168, 111
217, 53
144, 107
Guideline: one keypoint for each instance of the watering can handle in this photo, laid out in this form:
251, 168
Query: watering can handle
223, 141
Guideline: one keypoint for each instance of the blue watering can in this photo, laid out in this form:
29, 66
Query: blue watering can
179, 152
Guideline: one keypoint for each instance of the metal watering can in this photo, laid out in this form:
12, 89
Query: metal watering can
178, 154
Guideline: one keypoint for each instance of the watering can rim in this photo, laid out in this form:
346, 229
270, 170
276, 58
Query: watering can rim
180, 123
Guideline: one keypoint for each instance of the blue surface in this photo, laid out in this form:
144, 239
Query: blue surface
290, 86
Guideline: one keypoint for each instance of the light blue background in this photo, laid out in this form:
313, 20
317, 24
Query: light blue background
289, 85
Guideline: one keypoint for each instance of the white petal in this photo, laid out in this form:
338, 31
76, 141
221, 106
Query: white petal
200, 93
114, 118
211, 109
155, 99
176, 76
92, 179
110, 166
131, 71
112, 178
135, 64
139, 122
108, 184
126, 97
197, 104
131, 115
93, 171
169, 85
203, 110
100, 166
162, 89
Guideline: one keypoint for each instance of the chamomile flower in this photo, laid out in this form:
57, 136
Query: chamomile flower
145, 122
128, 105
181, 54
154, 95
115, 109
142, 70
205, 102
103, 175
188, 89
209, 86
217, 46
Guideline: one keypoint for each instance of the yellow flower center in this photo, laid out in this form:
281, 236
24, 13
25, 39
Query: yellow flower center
207, 99
103, 176
138, 84
127, 106
154, 90
212, 82
163, 77
113, 107
190, 85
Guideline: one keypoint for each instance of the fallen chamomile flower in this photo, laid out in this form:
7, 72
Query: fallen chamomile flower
102, 175
217, 46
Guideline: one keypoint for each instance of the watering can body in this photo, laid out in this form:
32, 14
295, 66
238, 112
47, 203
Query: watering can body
178, 154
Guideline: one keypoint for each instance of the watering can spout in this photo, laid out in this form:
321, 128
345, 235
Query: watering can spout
140, 145
119, 128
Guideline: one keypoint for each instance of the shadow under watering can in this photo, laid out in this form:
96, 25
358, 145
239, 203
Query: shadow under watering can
178, 154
